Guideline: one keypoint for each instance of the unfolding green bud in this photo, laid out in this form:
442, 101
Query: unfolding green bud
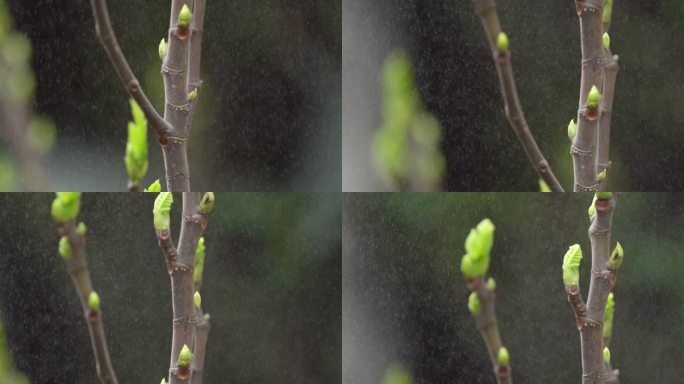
154, 187
207, 202
606, 355
136, 146
572, 130
606, 40
543, 187
81, 229
491, 284
608, 317
502, 42
602, 175
478, 245
184, 17
473, 304
161, 211
163, 48
503, 357
199, 261
592, 209
616, 257
594, 98
184, 356
192, 95
64, 248
198, 299
94, 301
66, 206
604, 195
571, 262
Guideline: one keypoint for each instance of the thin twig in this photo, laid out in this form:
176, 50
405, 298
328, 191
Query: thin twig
195, 55
486, 10
201, 336
485, 321
584, 145
610, 77
105, 33
78, 269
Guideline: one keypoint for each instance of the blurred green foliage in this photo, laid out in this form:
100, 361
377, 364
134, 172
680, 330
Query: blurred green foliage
406, 148
397, 374
8, 374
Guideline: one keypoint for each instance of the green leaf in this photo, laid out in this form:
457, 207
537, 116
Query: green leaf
543, 187
136, 147
161, 211
616, 257
154, 187
571, 262
207, 202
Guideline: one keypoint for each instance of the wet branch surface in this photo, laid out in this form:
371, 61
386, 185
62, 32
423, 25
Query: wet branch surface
78, 269
589, 317
486, 10
486, 323
181, 262
180, 70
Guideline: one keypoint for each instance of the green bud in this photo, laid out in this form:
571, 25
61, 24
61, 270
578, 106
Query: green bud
163, 48
66, 206
192, 95
154, 187
543, 187
184, 356
592, 209
606, 355
571, 262
161, 211
491, 284
163, 381
616, 257
207, 317
199, 261
594, 98
602, 175
616, 58
502, 42
184, 17
478, 245
606, 40
503, 357
604, 195
136, 146
572, 130
608, 317
81, 229
207, 202
198, 299
473, 304
94, 301
64, 248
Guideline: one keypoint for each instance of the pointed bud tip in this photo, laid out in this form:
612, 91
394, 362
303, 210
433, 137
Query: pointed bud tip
594, 98
606, 355
198, 299
163, 48
184, 17
184, 356
572, 130
606, 40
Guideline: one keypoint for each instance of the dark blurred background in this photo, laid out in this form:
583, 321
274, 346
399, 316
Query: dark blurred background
405, 300
457, 80
271, 284
269, 118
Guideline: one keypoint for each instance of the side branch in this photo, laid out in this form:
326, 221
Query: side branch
485, 320
486, 10
611, 72
78, 269
105, 33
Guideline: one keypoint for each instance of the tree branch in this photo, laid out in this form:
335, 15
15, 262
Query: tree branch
486, 10
108, 40
77, 268
485, 320
195, 55
583, 148
610, 76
